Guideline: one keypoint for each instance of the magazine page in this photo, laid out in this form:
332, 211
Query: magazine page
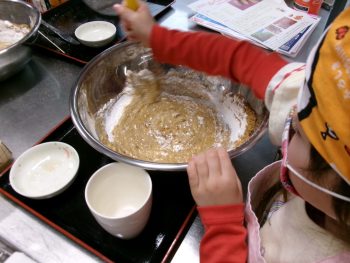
292, 47
269, 22
216, 26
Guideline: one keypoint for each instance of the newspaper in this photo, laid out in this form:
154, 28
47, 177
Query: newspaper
269, 23
216, 26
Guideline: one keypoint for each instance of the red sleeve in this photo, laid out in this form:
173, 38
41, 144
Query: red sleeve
216, 54
225, 236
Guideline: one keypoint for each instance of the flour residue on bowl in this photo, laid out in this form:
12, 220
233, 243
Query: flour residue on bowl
170, 118
10, 33
113, 111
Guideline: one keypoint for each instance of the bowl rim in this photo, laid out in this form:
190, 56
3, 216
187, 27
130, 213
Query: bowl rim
117, 166
34, 29
87, 25
28, 154
148, 165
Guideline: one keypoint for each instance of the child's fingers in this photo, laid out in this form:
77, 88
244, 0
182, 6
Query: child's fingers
192, 175
213, 161
201, 166
118, 8
124, 18
124, 12
224, 157
125, 25
130, 36
225, 162
142, 4
230, 173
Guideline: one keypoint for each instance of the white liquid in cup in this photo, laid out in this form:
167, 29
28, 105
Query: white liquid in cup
120, 198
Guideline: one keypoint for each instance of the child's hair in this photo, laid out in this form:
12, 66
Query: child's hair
317, 166
341, 208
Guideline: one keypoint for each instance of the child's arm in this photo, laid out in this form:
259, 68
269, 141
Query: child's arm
217, 191
225, 236
217, 55
213, 53
267, 74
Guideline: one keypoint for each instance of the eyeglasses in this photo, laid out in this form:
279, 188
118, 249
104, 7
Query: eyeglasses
290, 131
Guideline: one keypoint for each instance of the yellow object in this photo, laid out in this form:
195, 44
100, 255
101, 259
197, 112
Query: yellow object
325, 100
132, 4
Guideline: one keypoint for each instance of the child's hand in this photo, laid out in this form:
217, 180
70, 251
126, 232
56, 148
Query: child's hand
213, 179
136, 24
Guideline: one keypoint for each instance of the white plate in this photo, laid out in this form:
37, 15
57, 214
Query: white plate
44, 170
96, 33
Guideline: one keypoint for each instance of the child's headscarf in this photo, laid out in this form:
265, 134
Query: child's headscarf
324, 101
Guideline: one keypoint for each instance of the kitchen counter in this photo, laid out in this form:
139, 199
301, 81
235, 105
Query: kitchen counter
37, 98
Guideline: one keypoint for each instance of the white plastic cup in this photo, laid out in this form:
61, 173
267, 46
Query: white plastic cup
119, 196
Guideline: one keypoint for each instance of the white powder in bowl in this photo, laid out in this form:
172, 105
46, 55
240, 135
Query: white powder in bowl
11, 33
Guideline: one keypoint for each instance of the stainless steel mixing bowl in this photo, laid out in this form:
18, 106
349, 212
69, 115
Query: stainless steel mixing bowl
14, 57
104, 77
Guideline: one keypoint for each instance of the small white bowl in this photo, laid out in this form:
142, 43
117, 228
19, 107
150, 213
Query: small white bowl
95, 33
44, 170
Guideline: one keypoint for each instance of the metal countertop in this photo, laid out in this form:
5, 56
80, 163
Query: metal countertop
36, 99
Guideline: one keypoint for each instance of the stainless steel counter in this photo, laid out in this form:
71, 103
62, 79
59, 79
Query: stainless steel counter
36, 99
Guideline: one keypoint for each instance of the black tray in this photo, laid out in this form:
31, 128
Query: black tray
172, 211
69, 15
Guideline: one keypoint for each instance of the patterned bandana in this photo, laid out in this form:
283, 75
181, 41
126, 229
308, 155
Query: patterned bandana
324, 101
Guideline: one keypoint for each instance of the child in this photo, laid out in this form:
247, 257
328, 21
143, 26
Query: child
297, 209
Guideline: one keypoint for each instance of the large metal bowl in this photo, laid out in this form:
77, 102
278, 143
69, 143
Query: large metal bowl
104, 77
14, 57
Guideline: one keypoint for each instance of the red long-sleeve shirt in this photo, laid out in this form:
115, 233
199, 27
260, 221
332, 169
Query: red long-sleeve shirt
225, 235
217, 55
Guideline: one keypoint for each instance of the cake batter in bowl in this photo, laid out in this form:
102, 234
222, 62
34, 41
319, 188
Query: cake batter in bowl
135, 110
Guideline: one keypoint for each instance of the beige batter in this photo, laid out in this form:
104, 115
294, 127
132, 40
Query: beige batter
167, 124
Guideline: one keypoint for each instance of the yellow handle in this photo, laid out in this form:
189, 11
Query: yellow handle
132, 4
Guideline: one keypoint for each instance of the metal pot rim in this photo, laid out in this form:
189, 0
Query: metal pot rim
33, 30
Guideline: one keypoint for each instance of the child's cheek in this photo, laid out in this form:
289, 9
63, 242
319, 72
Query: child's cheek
298, 153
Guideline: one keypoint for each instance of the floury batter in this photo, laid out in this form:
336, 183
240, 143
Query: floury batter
168, 119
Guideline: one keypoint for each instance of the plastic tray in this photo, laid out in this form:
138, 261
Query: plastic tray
172, 212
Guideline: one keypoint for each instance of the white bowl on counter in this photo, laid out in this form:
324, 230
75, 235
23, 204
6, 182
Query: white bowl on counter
45, 170
96, 33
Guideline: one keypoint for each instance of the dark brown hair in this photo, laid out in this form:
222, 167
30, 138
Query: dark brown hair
319, 165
